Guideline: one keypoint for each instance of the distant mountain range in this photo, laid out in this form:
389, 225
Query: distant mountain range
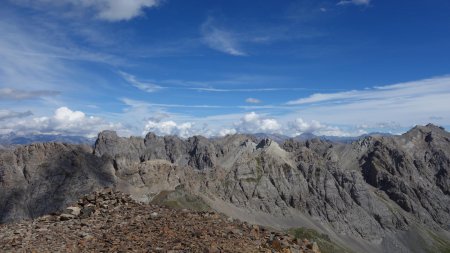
12, 139
279, 138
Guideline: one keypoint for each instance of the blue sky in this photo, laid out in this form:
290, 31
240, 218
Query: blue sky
329, 67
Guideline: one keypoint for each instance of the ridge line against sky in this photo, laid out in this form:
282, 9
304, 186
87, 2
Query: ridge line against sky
348, 67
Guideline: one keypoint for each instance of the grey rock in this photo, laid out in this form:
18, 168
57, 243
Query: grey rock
370, 189
86, 212
42, 178
73, 210
154, 215
65, 216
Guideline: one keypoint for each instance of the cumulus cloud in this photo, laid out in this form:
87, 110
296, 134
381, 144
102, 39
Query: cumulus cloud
109, 10
221, 125
227, 131
169, 128
253, 100
355, 2
8, 115
220, 39
66, 116
300, 126
13, 94
63, 121
248, 123
255, 123
144, 86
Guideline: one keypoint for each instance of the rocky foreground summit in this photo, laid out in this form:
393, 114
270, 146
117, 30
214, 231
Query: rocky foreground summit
109, 221
376, 194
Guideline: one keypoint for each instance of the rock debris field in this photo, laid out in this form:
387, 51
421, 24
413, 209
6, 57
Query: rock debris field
109, 221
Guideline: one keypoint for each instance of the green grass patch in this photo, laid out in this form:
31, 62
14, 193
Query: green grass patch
179, 199
323, 240
440, 244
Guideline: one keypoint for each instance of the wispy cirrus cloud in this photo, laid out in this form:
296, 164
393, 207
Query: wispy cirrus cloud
220, 39
405, 104
33, 56
212, 89
136, 103
354, 2
409, 90
142, 85
8, 114
14, 94
108, 10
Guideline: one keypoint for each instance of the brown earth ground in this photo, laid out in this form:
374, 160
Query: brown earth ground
110, 221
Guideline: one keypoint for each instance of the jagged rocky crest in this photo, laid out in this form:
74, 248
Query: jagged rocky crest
376, 194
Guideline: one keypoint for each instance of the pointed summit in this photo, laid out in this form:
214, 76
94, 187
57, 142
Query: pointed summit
264, 143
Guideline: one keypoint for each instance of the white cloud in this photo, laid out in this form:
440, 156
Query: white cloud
355, 2
253, 100
33, 56
8, 114
25, 61
302, 126
169, 128
109, 10
135, 103
322, 97
63, 121
269, 125
220, 39
67, 116
403, 104
116, 10
227, 131
410, 90
221, 125
13, 94
255, 123
144, 86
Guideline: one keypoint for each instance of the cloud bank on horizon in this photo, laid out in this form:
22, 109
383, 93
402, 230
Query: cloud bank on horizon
77, 67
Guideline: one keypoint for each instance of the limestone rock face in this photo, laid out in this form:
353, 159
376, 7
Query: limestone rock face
368, 189
43, 178
413, 171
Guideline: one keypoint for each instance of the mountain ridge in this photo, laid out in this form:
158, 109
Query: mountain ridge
12, 139
368, 194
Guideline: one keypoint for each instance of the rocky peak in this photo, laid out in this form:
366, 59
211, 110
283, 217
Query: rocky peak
429, 128
107, 134
202, 153
247, 143
150, 136
432, 126
264, 143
